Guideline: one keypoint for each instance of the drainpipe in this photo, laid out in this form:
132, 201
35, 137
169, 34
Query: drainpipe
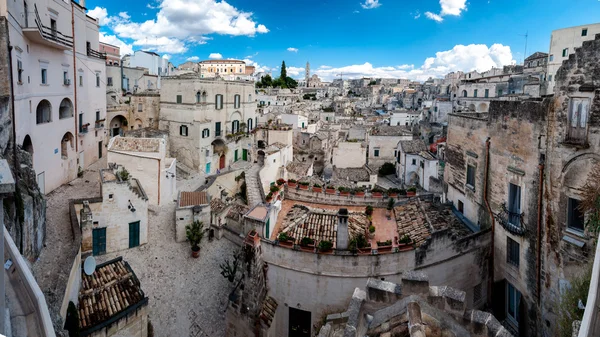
159, 181
539, 232
75, 78
489, 209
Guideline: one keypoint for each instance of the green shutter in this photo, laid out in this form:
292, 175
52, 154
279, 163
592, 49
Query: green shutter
99, 241
235, 155
134, 234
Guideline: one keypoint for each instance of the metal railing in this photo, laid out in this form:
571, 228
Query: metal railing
96, 54
511, 221
49, 33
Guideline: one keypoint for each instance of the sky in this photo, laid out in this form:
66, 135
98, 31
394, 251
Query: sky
354, 38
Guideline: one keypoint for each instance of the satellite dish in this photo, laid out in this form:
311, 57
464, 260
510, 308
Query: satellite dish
89, 265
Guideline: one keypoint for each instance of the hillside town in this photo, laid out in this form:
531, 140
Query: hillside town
213, 198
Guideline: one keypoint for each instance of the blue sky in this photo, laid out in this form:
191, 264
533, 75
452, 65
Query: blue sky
384, 38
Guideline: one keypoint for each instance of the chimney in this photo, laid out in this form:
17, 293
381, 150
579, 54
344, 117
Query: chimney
343, 237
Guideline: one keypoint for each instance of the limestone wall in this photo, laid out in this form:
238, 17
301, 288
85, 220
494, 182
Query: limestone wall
349, 155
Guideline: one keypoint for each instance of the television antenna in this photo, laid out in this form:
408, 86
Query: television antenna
526, 38
89, 265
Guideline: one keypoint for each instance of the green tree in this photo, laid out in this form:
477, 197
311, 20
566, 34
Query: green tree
291, 83
283, 71
266, 81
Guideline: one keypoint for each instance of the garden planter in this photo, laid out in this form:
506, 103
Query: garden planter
330, 191
287, 243
328, 251
269, 199
344, 194
371, 235
393, 195
365, 250
308, 248
360, 194
384, 249
377, 195
411, 194
293, 185
403, 247
195, 252
317, 189
304, 187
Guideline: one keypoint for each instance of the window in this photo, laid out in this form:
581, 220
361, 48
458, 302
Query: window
26, 14
65, 110
235, 126
43, 112
20, 71
53, 27
475, 93
499, 92
179, 99
577, 120
217, 129
513, 301
464, 93
514, 205
565, 52
97, 79
183, 130
461, 207
471, 176
487, 93
575, 216
109, 81
512, 252
584, 32
81, 80
551, 58
139, 107
97, 115
414, 162
550, 78
205, 133
198, 97
376, 153
44, 76
236, 101
219, 102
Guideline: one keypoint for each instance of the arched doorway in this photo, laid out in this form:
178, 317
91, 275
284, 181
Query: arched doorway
261, 157
472, 107
66, 145
219, 149
118, 125
483, 107
65, 110
222, 161
43, 112
28, 145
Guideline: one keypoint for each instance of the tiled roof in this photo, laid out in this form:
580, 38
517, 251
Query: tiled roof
299, 168
236, 212
192, 199
390, 131
351, 174
411, 220
412, 146
217, 205
110, 290
259, 212
441, 217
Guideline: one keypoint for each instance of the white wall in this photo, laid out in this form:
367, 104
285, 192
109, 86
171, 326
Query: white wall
349, 155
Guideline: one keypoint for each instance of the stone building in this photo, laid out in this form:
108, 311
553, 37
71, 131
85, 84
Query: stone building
191, 206
208, 120
416, 165
383, 143
116, 220
349, 154
113, 53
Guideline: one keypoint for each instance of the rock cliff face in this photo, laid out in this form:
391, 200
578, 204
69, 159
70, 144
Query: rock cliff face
25, 210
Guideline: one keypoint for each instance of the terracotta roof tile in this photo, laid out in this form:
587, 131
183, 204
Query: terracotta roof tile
192, 199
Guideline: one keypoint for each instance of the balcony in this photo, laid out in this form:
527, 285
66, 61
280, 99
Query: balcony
83, 129
96, 54
511, 221
99, 124
49, 36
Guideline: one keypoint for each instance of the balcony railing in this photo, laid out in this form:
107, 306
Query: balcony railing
96, 54
83, 129
45, 32
99, 124
511, 221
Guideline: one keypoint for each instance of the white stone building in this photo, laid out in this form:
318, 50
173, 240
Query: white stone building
58, 97
207, 120
349, 155
191, 206
212, 68
146, 159
405, 118
297, 121
383, 143
155, 64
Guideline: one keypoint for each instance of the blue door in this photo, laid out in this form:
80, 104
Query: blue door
99, 241
207, 168
134, 234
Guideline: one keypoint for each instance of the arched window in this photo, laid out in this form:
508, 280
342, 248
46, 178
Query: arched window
66, 142
43, 112
219, 102
250, 124
183, 130
198, 97
236, 101
464, 93
249, 97
235, 126
205, 133
65, 110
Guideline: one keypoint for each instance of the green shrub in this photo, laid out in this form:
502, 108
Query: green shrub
284, 237
361, 241
342, 189
384, 243
274, 189
405, 239
386, 169
371, 229
124, 174
292, 181
568, 309
390, 204
306, 241
325, 245
317, 185
369, 210
412, 189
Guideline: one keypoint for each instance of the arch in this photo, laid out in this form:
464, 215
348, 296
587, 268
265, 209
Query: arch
43, 112
27, 145
65, 110
66, 144
138, 124
235, 126
198, 97
118, 125
261, 157
472, 107
204, 97
464, 93
262, 144
483, 107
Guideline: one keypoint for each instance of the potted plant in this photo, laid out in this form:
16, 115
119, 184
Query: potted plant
195, 233
405, 243
325, 246
377, 192
360, 191
369, 210
330, 189
402, 192
371, 232
280, 181
343, 191
362, 245
304, 185
393, 192
253, 236
269, 197
307, 244
384, 246
285, 240
390, 207
274, 189
292, 183
411, 192
317, 188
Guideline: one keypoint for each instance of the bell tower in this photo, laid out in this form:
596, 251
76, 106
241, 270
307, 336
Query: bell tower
307, 73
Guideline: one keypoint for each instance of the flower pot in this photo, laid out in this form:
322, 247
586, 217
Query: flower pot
304, 187
404, 247
377, 195
292, 184
365, 250
287, 243
411, 194
328, 251
384, 249
195, 252
317, 189
371, 235
393, 195
308, 248
344, 194
330, 191
360, 194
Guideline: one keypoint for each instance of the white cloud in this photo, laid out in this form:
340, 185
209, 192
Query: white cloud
416, 15
294, 71
258, 67
448, 7
101, 14
193, 58
356, 12
180, 24
370, 4
460, 58
215, 56
434, 16
166, 56
293, 50
115, 41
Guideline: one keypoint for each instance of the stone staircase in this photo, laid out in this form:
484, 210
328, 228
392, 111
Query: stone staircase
254, 191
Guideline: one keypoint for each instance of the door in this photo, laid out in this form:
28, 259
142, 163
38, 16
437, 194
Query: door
267, 225
116, 131
245, 155
41, 181
299, 323
207, 168
99, 241
81, 160
134, 234
235, 155
222, 162
99, 149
